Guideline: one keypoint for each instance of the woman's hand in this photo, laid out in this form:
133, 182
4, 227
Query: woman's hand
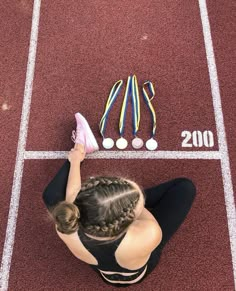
77, 154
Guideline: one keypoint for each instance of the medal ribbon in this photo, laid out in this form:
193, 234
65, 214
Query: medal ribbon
110, 102
149, 104
131, 90
124, 107
135, 105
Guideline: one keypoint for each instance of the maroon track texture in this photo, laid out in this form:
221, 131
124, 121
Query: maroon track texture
83, 48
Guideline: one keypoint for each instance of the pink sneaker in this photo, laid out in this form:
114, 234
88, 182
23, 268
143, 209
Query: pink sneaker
84, 135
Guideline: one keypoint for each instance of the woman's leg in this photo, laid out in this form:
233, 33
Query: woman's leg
169, 203
56, 189
154, 194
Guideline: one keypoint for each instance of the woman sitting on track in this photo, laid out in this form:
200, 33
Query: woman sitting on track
109, 222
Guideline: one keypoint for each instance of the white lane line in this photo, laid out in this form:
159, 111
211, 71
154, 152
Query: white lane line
223, 148
205, 155
17, 179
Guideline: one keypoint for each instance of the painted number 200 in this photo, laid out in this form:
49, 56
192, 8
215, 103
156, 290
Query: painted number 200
197, 139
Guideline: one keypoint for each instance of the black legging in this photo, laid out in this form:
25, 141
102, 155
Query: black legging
169, 203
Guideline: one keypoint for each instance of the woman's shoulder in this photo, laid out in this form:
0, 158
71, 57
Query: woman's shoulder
142, 237
146, 233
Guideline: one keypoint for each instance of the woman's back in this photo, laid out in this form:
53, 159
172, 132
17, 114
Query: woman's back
122, 259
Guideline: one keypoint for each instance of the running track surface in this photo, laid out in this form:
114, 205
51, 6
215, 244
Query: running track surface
82, 49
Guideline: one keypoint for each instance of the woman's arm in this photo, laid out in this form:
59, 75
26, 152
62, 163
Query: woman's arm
74, 182
76, 156
150, 225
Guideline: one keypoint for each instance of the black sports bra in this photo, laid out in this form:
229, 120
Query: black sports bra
104, 252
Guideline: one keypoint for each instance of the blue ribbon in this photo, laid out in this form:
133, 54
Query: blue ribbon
148, 100
110, 102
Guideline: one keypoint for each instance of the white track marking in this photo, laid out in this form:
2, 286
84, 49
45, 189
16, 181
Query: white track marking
223, 148
16, 188
205, 155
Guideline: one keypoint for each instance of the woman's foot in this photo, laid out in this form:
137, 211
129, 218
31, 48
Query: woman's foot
84, 135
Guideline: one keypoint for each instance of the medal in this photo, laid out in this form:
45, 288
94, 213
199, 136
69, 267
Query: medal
131, 89
151, 144
121, 143
108, 143
137, 143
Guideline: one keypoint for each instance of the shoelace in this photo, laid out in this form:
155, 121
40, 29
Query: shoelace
73, 136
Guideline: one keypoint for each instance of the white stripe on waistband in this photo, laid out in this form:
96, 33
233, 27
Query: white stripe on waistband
124, 282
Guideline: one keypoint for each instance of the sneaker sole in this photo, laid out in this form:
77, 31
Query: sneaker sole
89, 133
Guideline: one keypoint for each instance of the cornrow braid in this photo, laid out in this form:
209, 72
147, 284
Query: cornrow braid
107, 205
93, 182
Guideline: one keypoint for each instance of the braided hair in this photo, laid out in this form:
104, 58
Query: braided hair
105, 207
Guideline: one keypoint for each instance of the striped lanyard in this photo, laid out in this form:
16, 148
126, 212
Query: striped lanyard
151, 144
135, 105
108, 142
137, 142
133, 92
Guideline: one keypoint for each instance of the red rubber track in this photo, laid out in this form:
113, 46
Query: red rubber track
83, 48
15, 23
